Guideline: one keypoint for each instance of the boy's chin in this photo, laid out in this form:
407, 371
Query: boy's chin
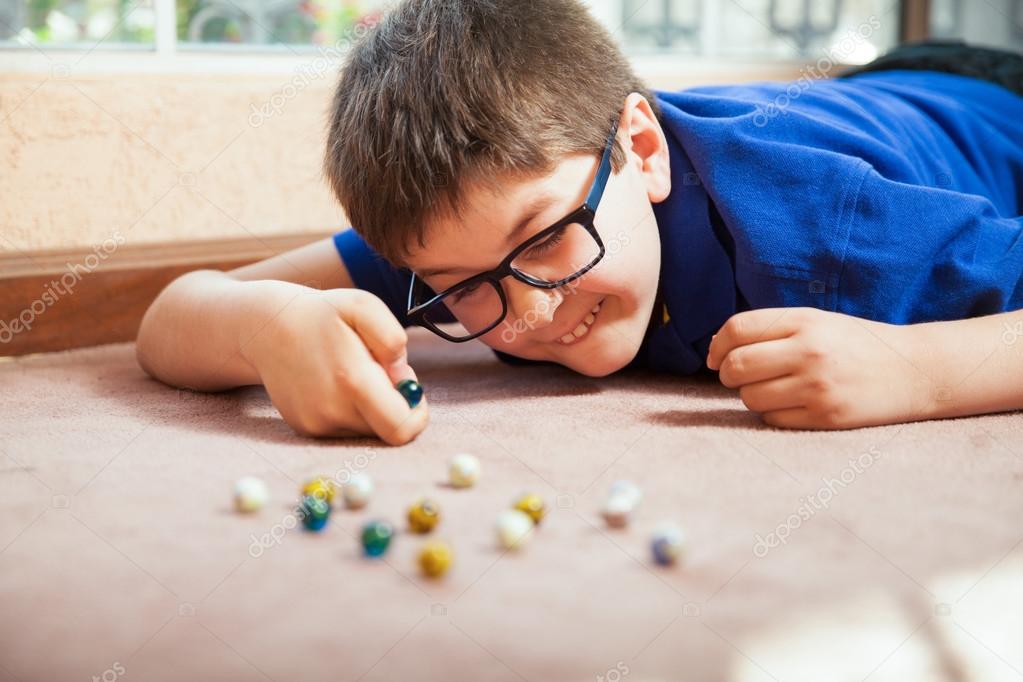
596, 363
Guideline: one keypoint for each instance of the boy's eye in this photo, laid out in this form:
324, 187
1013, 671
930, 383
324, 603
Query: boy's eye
547, 244
462, 293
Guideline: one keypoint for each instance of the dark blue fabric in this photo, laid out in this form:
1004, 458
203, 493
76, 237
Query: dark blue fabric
894, 196
369, 271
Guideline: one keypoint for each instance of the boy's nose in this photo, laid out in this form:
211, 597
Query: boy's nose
532, 305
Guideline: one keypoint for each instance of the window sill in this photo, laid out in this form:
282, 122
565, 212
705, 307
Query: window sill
661, 70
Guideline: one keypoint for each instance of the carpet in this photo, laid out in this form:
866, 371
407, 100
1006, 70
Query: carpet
887, 553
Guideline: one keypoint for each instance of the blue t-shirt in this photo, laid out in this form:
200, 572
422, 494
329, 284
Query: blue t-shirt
893, 196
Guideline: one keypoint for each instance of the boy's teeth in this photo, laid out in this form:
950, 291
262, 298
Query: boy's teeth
583, 327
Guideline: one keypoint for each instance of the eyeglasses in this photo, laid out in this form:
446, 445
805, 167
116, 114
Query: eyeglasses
549, 259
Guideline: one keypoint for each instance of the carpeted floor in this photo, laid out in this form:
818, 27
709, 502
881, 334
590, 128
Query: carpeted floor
896, 551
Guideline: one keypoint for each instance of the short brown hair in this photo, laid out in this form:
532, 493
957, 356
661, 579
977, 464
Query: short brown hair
441, 93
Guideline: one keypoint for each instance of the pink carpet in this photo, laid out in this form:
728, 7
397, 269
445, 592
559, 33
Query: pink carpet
120, 555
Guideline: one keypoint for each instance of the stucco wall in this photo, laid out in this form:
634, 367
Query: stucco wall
158, 157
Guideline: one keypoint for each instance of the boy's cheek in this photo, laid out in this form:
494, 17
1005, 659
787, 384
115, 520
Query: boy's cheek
509, 334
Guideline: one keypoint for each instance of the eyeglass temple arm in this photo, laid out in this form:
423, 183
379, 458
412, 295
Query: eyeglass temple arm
603, 170
411, 288
413, 280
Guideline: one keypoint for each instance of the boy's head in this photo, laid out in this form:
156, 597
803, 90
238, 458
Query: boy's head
455, 122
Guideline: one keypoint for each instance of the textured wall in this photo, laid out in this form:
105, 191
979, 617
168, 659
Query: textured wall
158, 158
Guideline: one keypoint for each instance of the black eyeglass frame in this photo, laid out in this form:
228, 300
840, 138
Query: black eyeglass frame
584, 215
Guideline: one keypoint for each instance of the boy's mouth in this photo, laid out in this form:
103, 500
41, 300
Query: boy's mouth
583, 328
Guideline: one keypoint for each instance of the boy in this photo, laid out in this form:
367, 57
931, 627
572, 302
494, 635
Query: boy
844, 253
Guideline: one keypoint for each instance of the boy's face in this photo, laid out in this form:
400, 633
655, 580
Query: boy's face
559, 324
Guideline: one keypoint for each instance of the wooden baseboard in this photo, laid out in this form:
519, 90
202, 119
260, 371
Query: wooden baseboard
57, 300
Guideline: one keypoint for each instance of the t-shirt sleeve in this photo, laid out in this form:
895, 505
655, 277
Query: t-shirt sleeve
371, 272
920, 254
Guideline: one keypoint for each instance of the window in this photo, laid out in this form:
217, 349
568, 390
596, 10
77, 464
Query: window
70, 22
995, 23
117, 23
267, 22
857, 30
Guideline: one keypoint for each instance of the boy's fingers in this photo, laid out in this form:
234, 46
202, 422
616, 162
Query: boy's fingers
375, 397
774, 394
385, 338
379, 330
759, 362
338, 420
789, 418
751, 326
402, 372
377, 356
384, 408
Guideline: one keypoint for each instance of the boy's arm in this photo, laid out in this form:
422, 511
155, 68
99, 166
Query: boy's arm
328, 354
813, 369
315, 265
977, 364
195, 331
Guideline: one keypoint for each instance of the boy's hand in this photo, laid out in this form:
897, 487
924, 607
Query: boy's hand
813, 369
330, 359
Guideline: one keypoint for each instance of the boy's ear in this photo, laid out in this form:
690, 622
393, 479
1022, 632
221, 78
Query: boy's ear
645, 145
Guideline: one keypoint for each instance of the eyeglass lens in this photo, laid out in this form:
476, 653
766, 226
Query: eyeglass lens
559, 256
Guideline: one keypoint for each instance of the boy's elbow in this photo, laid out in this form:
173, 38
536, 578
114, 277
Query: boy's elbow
156, 328
145, 340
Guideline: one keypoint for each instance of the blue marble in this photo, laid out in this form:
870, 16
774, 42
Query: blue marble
412, 391
314, 512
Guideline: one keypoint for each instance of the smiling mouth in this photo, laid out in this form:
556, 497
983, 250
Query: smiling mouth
583, 328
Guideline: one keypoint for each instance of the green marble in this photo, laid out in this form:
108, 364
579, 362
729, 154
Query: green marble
376, 537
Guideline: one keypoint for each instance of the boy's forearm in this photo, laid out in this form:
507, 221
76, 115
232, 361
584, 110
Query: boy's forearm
975, 366
192, 334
